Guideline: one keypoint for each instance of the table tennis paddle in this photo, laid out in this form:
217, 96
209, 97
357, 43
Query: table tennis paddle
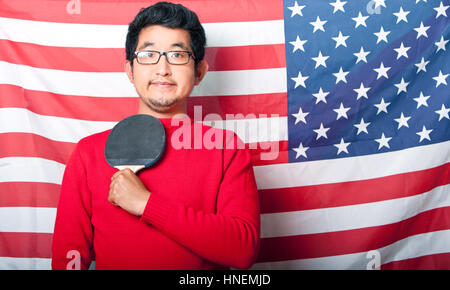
136, 142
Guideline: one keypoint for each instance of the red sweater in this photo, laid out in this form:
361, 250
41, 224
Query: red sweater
203, 211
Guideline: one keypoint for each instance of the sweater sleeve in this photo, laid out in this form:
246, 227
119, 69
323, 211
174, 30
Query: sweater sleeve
231, 235
73, 233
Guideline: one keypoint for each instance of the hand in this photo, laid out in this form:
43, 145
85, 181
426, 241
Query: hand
128, 192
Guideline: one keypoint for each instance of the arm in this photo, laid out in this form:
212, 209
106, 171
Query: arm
230, 236
73, 229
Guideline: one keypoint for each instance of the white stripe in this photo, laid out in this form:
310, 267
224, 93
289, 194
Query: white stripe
54, 128
244, 33
10, 263
72, 130
353, 216
414, 246
244, 82
251, 130
352, 168
113, 36
30, 169
116, 84
91, 84
27, 219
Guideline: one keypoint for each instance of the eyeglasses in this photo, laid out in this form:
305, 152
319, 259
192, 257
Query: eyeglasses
153, 56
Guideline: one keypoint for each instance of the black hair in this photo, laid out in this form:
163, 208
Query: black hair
168, 15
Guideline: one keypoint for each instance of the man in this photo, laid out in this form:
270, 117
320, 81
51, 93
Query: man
194, 208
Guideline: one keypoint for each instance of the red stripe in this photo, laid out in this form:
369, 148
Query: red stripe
430, 262
35, 194
261, 105
115, 109
113, 59
76, 107
352, 241
265, 153
32, 145
29, 194
353, 192
246, 57
26, 245
112, 12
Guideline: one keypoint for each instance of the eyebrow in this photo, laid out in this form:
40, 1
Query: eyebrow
176, 44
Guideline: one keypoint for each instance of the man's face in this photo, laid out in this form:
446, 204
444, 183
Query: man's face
164, 87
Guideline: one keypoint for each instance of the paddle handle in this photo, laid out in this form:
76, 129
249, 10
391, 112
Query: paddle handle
134, 168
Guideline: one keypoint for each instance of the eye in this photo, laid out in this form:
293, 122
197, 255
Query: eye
176, 54
149, 54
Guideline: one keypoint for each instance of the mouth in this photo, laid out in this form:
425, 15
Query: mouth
162, 84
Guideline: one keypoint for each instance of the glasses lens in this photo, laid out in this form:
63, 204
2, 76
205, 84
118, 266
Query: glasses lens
178, 57
147, 57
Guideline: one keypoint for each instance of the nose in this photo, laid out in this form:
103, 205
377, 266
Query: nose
163, 67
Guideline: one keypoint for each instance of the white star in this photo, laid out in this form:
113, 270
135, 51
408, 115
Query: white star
320, 96
402, 121
320, 60
298, 44
401, 15
300, 80
441, 44
301, 151
401, 86
441, 10
421, 100
296, 9
443, 112
383, 141
401, 51
318, 24
417, 1
340, 76
382, 35
360, 20
382, 106
362, 91
382, 71
300, 116
341, 112
422, 65
422, 30
362, 127
361, 55
342, 147
424, 134
440, 79
340, 40
379, 3
321, 132
338, 5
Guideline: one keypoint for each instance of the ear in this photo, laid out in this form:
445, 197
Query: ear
129, 71
202, 69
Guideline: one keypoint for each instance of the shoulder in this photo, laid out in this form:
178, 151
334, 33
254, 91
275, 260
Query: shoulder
97, 139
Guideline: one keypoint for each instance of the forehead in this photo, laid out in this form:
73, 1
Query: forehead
160, 37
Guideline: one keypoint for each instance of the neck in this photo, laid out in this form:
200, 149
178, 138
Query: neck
178, 111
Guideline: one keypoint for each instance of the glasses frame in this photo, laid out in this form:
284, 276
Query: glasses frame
161, 53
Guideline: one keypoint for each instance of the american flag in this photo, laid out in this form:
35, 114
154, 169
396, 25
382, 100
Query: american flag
352, 94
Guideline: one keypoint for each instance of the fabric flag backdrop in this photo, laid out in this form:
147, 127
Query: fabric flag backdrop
352, 94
